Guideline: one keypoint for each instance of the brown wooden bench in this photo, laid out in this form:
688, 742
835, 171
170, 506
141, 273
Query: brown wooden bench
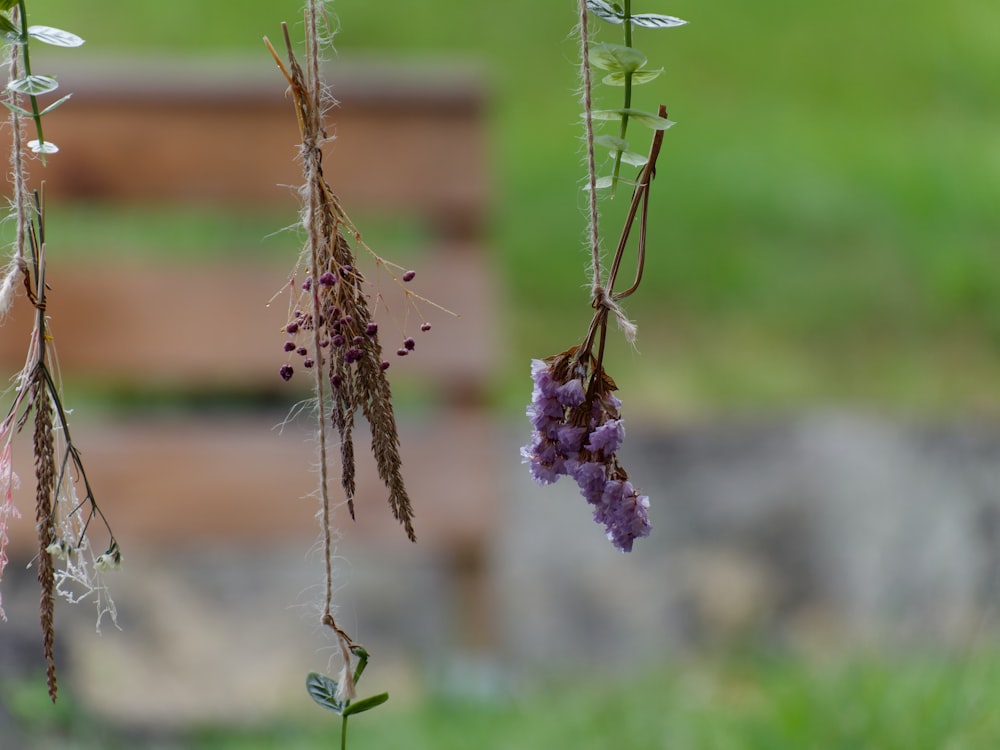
406, 141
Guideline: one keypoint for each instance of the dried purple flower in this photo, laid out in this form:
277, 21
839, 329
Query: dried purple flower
571, 393
308, 363
607, 438
292, 328
352, 355
408, 276
577, 432
338, 340
425, 327
289, 346
286, 372
302, 351
409, 343
358, 340
624, 513
384, 366
371, 329
402, 352
327, 279
307, 284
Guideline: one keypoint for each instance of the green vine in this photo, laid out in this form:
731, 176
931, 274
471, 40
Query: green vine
626, 67
337, 696
15, 30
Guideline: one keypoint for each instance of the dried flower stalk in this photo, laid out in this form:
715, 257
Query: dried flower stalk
62, 517
333, 316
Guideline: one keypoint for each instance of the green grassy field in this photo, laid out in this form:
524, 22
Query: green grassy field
759, 703
826, 213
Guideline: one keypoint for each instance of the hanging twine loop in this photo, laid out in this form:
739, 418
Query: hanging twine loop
604, 301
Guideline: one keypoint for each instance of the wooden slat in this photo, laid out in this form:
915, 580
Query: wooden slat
184, 480
403, 141
205, 327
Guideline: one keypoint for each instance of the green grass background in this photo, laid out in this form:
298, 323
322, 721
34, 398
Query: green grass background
826, 214
739, 703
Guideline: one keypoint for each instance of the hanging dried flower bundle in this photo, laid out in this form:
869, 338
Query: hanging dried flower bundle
65, 506
576, 418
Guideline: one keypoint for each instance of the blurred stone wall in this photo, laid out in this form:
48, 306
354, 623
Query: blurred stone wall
812, 533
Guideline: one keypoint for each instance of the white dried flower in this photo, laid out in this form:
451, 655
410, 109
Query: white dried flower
59, 549
110, 560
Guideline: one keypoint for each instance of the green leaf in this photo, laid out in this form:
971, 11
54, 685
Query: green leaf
616, 57
638, 77
38, 147
7, 4
634, 158
604, 11
603, 183
646, 118
323, 690
612, 142
33, 85
7, 26
55, 104
366, 704
14, 108
656, 21
55, 37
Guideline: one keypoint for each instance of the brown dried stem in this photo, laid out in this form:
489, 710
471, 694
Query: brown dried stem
605, 298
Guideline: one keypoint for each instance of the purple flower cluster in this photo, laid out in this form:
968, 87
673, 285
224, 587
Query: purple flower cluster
579, 436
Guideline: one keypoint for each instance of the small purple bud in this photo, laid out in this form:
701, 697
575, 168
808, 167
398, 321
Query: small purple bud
324, 342
338, 340
336, 379
286, 372
352, 355
425, 327
402, 352
357, 340
327, 279
302, 351
307, 284
346, 320
308, 363
371, 329
409, 343
289, 346
408, 276
384, 366
346, 271
292, 328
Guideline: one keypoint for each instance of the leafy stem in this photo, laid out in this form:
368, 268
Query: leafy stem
627, 17
36, 114
626, 67
335, 695
20, 35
